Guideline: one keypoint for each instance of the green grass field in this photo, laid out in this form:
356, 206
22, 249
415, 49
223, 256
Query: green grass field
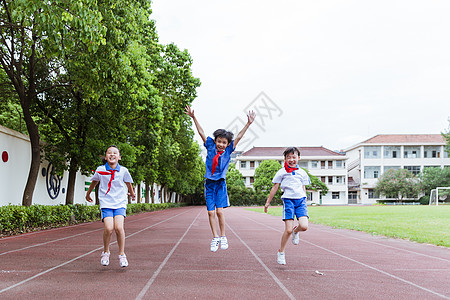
420, 223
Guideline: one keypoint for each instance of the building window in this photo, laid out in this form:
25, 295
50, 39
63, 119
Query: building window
322, 164
339, 164
303, 164
322, 178
372, 194
339, 179
391, 152
314, 164
432, 152
411, 152
391, 168
243, 165
413, 169
330, 164
371, 172
252, 179
335, 195
252, 165
372, 152
330, 179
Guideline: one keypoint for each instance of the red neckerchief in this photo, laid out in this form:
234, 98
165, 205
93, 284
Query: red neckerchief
215, 161
289, 169
108, 173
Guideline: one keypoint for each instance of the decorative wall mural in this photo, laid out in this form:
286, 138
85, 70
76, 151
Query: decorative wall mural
52, 180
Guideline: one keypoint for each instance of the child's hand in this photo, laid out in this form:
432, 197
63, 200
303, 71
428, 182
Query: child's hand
189, 111
88, 198
251, 116
133, 196
266, 207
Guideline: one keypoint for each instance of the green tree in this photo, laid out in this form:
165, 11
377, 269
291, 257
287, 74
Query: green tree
432, 178
316, 184
446, 136
264, 174
36, 34
398, 184
108, 96
177, 88
234, 177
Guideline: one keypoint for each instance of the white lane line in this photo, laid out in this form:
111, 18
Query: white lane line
387, 246
161, 266
81, 256
68, 237
274, 277
362, 264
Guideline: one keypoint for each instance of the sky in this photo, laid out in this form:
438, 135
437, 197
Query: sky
317, 73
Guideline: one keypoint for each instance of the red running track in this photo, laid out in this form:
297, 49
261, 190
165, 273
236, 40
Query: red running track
169, 258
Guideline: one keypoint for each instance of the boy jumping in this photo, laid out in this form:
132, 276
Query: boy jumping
292, 180
217, 161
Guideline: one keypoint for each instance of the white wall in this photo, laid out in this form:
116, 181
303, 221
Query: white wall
14, 173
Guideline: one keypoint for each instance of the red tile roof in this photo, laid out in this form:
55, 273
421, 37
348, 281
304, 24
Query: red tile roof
405, 138
278, 151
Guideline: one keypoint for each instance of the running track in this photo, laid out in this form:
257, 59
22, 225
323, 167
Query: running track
169, 258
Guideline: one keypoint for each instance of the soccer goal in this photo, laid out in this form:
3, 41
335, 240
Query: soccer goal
438, 194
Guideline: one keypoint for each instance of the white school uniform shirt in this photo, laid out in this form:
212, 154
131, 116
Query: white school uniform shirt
117, 197
292, 183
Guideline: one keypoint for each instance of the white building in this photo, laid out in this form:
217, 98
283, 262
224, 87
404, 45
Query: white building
329, 166
369, 159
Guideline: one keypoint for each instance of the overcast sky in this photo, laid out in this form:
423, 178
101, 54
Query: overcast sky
319, 73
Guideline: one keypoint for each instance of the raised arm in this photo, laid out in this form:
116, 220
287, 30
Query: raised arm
190, 113
251, 117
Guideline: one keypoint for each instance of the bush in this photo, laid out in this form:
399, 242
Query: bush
16, 219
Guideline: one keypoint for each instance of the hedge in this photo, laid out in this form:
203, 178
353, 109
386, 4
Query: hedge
16, 219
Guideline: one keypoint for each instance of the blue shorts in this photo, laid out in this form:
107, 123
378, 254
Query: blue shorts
216, 194
294, 207
112, 212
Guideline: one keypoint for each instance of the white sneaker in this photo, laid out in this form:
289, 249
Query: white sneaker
281, 258
223, 243
295, 237
105, 259
215, 244
123, 262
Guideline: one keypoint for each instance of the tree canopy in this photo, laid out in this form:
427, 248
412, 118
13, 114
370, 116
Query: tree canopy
91, 74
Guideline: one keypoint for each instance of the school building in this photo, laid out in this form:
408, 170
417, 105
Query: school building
369, 159
329, 166
351, 175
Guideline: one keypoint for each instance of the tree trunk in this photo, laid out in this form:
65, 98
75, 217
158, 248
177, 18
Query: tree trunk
138, 199
147, 191
152, 191
33, 132
71, 181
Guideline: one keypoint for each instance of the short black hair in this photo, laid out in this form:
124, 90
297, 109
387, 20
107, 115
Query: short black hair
222, 133
290, 150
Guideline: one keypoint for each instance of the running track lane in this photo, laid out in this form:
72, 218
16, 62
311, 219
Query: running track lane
169, 258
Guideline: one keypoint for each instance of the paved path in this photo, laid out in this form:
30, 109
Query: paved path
169, 258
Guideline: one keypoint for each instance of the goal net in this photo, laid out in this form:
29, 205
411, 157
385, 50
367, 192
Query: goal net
439, 194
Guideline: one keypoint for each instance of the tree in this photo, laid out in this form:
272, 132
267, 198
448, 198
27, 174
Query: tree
398, 184
316, 184
432, 178
108, 97
234, 177
447, 138
177, 88
264, 174
40, 33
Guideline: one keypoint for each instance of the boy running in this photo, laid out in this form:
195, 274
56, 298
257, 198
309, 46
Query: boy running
292, 180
